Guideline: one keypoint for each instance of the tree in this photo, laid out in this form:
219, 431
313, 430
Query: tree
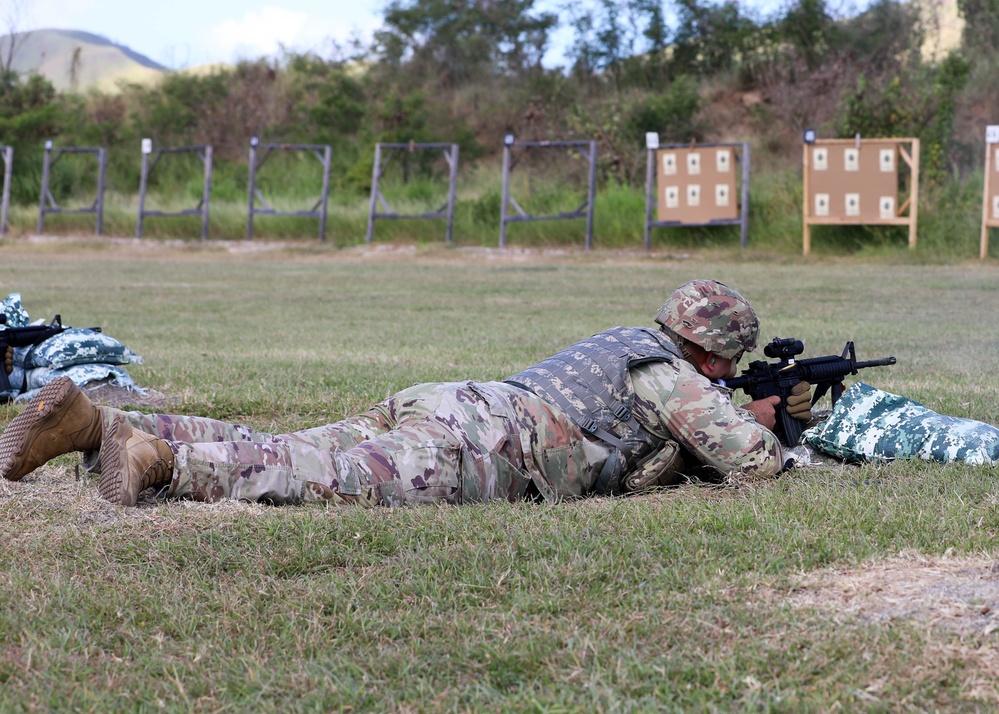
981, 26
809, 27
919, 102
889, 34
462, 40
330, 101
711, 37
616, 36
29, 113
12, 16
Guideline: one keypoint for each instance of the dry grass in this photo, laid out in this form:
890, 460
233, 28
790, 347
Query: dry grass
943, 611
946, 593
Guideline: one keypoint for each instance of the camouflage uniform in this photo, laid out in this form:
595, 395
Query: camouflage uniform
458, 442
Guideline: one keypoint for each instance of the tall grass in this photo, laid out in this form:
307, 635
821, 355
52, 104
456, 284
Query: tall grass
948, 229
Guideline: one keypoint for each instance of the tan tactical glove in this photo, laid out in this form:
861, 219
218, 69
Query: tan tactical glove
799, 403
8, 360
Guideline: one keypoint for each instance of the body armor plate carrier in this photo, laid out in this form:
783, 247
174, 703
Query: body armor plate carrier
591, 383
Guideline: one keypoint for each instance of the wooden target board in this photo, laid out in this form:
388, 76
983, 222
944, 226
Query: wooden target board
862, 182
696, 185
688, 185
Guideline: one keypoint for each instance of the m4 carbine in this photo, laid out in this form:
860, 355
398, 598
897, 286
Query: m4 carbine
765, 379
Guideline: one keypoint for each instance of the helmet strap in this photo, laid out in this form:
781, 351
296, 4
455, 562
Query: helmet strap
682, 343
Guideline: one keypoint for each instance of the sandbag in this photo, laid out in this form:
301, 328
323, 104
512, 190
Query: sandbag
11, 307
868, 424
16, 379
16, 316
78, 345
81, 354
81, 374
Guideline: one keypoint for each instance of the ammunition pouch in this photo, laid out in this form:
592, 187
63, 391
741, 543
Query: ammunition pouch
662, 468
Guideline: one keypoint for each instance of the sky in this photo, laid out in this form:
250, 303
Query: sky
184, 33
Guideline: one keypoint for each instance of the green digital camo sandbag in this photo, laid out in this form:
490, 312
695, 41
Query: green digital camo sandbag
868, 424
14, 311
78, 345
16, 316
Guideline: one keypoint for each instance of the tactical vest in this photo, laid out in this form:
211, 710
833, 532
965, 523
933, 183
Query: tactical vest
590, 382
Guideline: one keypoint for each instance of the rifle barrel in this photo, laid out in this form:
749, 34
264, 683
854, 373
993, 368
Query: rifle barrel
876, 363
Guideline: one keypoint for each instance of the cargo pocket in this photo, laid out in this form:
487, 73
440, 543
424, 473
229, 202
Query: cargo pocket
660, 469
566, 469
440, 488
436, 463
491, 476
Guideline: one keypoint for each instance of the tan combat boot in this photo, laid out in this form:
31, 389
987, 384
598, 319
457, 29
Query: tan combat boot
59, 420
131, 462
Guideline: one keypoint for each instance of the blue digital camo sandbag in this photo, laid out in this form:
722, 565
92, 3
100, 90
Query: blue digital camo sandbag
868, 424
78, 345
16, 378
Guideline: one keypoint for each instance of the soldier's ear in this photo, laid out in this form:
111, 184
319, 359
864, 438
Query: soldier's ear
715, 367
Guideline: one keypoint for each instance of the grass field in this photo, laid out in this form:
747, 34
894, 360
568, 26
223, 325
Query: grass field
871, 588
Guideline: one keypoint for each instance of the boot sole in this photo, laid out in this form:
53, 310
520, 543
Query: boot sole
12, 444
114, 466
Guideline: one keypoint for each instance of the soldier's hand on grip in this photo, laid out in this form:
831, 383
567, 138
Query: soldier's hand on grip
8, 360
799, 402
764, 411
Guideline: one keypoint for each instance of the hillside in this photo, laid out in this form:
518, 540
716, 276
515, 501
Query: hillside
75, 60
943, 27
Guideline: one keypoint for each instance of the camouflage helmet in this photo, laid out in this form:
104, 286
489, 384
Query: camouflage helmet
713, 316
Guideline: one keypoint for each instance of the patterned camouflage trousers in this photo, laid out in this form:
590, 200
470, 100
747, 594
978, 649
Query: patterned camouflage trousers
458, 442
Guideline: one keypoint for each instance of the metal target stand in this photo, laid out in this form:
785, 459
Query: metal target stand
858, 182
7, 154
713, 216
205, 154
990, 194
323, 152
48, 204
446, 211
588, 149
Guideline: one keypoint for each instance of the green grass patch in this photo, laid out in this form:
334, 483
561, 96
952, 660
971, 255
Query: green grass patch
678, 601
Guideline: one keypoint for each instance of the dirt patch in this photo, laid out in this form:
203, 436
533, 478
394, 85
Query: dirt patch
382, 252
959, 594
109, 395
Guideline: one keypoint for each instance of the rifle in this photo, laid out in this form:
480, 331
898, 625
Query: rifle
23, 337
763, 379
